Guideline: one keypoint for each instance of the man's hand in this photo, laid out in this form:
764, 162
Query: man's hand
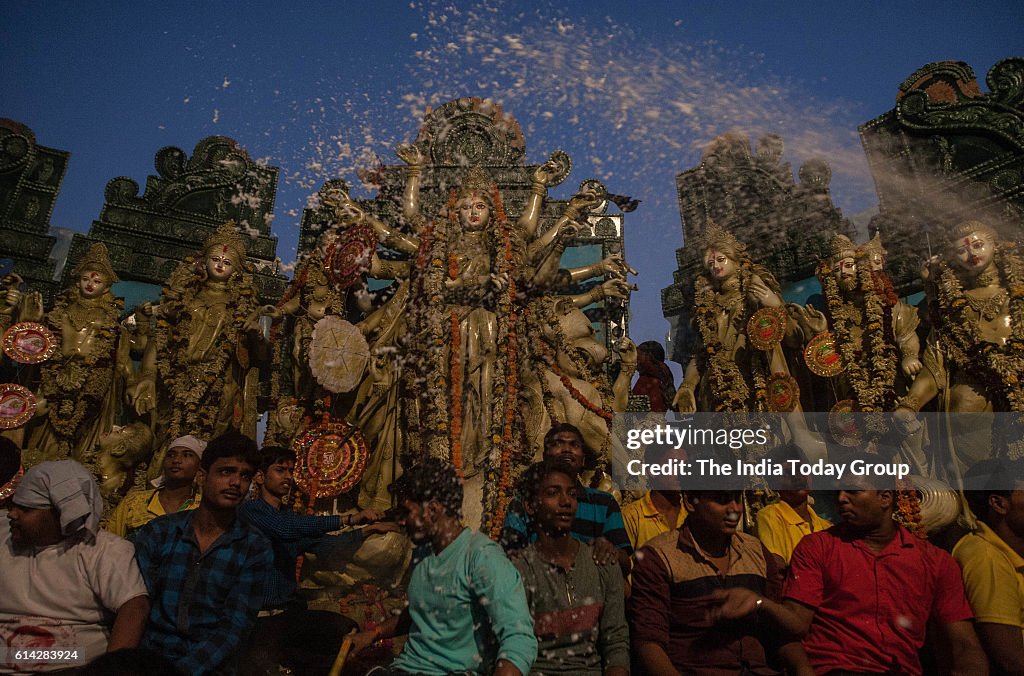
362, 640
733, 604
604, 551
364, 516
382, 527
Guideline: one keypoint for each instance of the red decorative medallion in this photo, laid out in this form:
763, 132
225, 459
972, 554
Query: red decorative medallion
822, 357
842, 422
17, 406
350, 255
783, 393
29, 343
331, 458
767, 327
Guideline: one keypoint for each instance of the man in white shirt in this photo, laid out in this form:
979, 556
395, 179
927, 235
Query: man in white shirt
62, 576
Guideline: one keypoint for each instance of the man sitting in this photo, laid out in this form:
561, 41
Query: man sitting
286, 632
175, 491
660, 509
577, 605
467, 610
205, 568
992, 560
781, 525
862, 593
680, 621
61, 578
598, 517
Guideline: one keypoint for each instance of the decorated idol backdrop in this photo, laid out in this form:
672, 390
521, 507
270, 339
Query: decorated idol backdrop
460, 311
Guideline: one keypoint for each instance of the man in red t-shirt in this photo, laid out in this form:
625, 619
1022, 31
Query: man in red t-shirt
862, 593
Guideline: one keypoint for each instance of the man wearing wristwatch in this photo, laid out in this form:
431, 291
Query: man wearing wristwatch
674, 609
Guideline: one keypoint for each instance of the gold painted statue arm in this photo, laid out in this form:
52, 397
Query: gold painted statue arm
386, 269
610, 288
413, 157
904, 326
392, 238
143, 393
621, 387
685, 400
530, 217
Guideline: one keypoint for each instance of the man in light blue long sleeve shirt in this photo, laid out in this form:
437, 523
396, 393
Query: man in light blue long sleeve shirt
467, 608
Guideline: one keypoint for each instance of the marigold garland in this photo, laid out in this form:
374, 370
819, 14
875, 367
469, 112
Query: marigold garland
726, 382
997, 367
870, 368
908, 511
75, 387
192, 386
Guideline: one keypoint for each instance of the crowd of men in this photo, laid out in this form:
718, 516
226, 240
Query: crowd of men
197, 576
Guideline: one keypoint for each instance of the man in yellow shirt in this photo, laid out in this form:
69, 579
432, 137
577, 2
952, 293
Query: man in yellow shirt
651, 515
660, 509
175, 490
781, 525
992, 560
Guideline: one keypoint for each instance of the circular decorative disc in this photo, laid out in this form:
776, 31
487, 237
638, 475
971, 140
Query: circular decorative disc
564, 164
17, 406
29, 343
350, 255
842, 422
767, 327
7, 490
338, 354
822, 357
783, 393
331, 458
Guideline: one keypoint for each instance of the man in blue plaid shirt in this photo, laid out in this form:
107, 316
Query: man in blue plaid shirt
205, 569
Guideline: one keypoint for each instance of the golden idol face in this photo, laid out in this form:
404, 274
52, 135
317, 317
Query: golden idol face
974, 253
221, 263
719, 265
93, 284
474, 212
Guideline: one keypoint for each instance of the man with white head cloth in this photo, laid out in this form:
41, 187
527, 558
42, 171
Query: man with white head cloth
63, 578
175, 490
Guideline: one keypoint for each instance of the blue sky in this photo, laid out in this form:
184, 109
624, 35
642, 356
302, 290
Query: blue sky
632, 91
